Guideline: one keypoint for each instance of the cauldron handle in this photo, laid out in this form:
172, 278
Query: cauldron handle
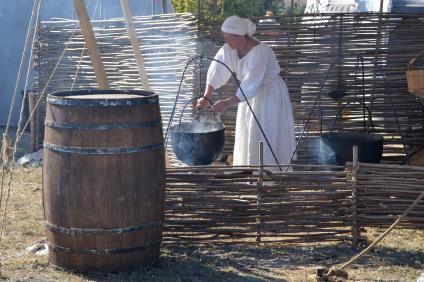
197, 110
371, 123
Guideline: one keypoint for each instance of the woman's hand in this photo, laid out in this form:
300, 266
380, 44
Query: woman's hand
202, 103
220, 106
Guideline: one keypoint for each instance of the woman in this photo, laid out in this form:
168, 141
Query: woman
257, 68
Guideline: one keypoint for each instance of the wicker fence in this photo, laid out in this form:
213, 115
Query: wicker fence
385, 192
309, 203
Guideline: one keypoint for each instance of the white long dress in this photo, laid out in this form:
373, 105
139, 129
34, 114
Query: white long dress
268, 96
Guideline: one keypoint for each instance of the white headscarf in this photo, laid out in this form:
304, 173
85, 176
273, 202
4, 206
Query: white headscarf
238, 26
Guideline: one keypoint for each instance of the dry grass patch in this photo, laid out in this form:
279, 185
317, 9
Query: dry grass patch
400, 257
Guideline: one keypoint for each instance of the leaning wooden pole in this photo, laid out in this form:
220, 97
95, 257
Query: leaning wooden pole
135, 44
126, 11
90, 41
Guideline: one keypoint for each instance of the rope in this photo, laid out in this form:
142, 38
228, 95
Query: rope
20, 67
78, 67
19, 132
6, 140
339, 271
5, 149
408, 210
48, 81
30, 63
7, 169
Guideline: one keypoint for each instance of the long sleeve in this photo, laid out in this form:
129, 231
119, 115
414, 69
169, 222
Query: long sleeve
218, 74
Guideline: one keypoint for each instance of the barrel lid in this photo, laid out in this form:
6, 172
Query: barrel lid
102, 98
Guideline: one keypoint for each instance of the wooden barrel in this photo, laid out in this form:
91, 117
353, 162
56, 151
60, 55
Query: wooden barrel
103, 179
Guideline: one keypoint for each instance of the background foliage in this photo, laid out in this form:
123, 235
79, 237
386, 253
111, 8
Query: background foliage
218, 10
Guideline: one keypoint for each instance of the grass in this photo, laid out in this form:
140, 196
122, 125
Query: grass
399, 257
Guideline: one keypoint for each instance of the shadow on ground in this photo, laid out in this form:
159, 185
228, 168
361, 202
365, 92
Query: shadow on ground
257, 262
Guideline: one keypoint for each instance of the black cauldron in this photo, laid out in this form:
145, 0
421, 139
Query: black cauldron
194, 147
336, 147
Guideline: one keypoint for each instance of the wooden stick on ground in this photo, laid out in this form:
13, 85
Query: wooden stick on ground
339, 271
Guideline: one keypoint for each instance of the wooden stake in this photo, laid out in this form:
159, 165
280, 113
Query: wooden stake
32, 101
259, 189
355, 228
90, 41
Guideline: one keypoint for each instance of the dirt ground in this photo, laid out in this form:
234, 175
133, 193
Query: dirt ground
399, 257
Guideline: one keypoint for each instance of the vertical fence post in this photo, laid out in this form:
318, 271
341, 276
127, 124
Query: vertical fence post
259, 219
355, 227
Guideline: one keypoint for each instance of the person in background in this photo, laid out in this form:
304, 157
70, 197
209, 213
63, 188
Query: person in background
257, 69
269, 17
271, 27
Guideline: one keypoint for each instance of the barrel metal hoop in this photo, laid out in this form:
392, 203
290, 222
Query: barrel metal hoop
101, 151
96, 126
99, 231
56, 248
141, 93
102, 102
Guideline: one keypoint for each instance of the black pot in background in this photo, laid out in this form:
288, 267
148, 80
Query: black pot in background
336, 147
196, 148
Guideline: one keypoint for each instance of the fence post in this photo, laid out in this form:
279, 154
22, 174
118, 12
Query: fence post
259, 219
355, 227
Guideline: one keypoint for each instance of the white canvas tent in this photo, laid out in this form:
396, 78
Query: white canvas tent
14, 18
364, 6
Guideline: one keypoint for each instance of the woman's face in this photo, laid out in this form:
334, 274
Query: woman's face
235, 41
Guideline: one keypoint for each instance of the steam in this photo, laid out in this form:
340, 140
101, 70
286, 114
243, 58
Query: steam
326, 153
202, 123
